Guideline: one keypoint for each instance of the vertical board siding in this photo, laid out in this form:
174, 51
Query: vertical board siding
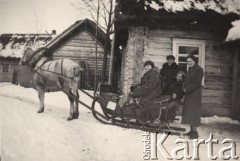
158, 44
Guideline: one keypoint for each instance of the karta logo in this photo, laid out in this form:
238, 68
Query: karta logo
154, 146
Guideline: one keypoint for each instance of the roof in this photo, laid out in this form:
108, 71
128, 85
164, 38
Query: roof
174, 12
13, 45
85, 24
196, 15
222, 7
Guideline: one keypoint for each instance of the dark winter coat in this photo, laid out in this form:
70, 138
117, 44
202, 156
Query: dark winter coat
150, 87
175, 87
193, 96
169, 73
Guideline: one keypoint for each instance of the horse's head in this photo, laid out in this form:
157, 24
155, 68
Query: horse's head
26, 56
30, 57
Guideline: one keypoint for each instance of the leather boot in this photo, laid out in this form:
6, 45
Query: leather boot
194, 135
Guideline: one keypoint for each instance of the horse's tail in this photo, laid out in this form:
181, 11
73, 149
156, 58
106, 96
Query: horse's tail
77, 71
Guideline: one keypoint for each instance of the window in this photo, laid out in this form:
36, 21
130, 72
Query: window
5, 68
183, 47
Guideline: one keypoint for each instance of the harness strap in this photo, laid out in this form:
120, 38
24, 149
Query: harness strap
53, 73
62, 67
44, 62
49, 65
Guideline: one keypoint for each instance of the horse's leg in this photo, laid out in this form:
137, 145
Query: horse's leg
76, 111
71, 99
70, 95
74, 87
41, 93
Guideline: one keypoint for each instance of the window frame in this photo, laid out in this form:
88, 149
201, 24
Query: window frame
5, 66
201, 44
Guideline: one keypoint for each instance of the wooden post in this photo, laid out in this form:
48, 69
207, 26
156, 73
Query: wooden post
235, 109
110, 75
96, 48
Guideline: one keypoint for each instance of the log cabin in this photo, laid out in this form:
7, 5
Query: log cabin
154, 30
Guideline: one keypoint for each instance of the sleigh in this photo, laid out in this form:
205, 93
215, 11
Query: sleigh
157, 116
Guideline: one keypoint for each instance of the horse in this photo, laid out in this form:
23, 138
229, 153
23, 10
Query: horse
62, 73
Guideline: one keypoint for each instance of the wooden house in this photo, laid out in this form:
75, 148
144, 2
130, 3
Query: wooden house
155, 30
78, 44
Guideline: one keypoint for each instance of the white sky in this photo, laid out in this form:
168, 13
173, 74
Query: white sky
23, 16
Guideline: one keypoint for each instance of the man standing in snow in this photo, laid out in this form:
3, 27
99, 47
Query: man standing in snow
169, 71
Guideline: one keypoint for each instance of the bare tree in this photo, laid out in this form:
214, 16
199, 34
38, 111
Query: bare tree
96, 50
37, 22
106, 11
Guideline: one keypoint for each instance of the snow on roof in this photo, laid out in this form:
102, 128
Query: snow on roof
12, 52
13, 45
234, 32
228, 6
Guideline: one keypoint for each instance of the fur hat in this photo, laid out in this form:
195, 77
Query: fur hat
170, 57
149, 62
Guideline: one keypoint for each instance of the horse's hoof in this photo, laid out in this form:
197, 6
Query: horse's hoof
40, 111
75, 116
69, 118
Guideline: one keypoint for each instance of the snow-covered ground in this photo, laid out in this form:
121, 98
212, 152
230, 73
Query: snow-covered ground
28, 136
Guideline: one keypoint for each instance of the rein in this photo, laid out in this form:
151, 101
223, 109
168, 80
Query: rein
40, 67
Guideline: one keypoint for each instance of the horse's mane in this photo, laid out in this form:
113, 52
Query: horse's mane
43, 49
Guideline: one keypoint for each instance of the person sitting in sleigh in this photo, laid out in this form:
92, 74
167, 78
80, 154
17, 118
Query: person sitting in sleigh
149, 88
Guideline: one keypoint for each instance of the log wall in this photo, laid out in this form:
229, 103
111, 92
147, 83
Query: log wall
156, 44
81, 47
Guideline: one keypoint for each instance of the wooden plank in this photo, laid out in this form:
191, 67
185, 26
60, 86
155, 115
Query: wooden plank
235, 109
182, 34
211, 110
216, 100
77, 48
208, 85
83, 34
158, 45
219, 55
218, 62
216, 93
218, 69
218, 78
158, 39
158, 52
83, 41
76, 54
82, 44
220, 48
